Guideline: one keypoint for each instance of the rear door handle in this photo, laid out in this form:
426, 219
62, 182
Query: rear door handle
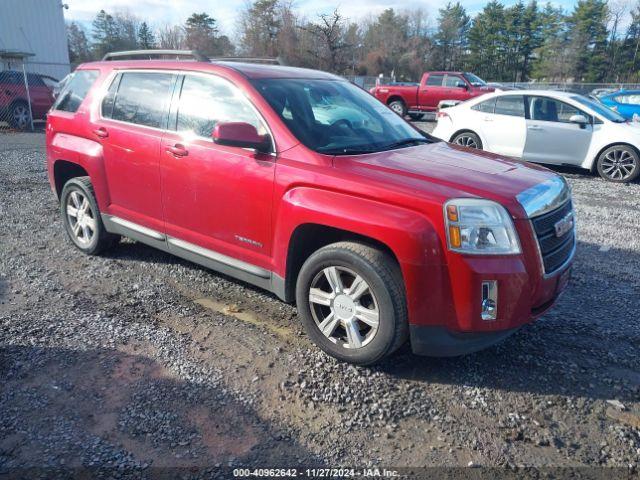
534, 127
101, 132
178, 150
488, 119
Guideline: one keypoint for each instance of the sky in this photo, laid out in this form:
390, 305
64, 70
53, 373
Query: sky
160, 12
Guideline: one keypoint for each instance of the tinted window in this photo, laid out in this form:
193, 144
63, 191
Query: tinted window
487, 106
107, 101
435, 80
142, 97
453, 81
510, 105
551, 110
34, 80
207, 100
75, 90
336, 117
11, 78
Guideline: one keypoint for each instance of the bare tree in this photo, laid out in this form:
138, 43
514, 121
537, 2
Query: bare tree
329, 46
171, 37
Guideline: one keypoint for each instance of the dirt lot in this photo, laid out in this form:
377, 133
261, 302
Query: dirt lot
138, 360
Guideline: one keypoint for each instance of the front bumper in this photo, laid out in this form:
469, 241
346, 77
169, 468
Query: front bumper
434, 341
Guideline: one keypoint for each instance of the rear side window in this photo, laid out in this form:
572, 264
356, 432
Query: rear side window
435, 80
141, 98
512, 105
75, 90
487, 106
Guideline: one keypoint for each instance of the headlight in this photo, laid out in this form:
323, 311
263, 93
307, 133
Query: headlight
480, 227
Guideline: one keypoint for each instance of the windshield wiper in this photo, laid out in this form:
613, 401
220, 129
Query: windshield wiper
405, 142
346, 151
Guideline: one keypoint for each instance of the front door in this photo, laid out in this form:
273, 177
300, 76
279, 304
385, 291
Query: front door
551, 137
216, 197
130, 127
431, 92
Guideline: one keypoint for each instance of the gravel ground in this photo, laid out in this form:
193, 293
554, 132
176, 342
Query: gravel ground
137, 361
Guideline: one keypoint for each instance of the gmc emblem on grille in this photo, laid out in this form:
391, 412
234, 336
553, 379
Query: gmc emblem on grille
563, 225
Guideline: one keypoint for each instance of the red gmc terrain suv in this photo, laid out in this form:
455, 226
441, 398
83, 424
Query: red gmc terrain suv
303, 184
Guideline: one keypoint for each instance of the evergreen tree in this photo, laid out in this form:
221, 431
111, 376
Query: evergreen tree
260, 27
587, 27
146, 38
78, 44
105, 34
487, 42
451, 36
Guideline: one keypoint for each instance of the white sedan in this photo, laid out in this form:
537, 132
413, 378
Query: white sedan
549, 127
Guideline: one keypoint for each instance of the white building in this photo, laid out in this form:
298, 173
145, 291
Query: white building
35, 30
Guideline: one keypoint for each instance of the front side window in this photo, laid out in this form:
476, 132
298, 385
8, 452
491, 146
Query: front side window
75, 91
453, 81
207, 100
512, 105
435, 80
336, 117
551, 110
141, 98
487, 106
474, 80
632, 99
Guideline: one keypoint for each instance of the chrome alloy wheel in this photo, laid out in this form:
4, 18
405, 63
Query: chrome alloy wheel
618, 164
21, 116
344, 307
466, 141
81, 218
397, 107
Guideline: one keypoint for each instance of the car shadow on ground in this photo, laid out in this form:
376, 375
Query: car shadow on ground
587, 345
73, 412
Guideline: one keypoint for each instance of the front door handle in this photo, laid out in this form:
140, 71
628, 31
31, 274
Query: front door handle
534, 127
488, 119
101, 132
178, 150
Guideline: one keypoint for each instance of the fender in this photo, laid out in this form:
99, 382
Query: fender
89, 155
412, 238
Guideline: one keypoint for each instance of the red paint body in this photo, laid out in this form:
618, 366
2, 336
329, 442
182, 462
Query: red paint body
425, 98
216, 194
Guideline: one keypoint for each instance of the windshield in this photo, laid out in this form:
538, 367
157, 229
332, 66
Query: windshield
474, 80
335, 117
599, 108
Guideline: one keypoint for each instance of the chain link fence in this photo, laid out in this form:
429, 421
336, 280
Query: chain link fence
26, 94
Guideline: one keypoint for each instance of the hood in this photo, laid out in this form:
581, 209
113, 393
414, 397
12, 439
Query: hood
446, 170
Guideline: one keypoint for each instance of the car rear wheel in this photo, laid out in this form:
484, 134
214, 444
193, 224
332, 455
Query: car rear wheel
19, 116
81, 217
619, 163
467, 139
351, 301
399, 107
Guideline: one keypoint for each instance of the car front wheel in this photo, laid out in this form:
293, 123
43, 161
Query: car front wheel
619, 163
351, 301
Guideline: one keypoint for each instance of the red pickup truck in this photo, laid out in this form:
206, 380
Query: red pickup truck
434, 87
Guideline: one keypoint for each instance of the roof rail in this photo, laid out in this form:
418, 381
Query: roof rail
264, 60
154, 54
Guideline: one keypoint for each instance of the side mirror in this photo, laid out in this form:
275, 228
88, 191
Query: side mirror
461, 85
579, 119
242, 135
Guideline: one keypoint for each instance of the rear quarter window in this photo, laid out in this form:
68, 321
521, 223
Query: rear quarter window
75, 91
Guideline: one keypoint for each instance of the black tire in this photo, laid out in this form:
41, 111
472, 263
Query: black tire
20, 115
399, 107
384, 281
467, 139
416, 116
619, 164
100, 239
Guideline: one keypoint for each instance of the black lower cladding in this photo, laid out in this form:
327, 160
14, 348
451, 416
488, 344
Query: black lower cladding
437, 341
555, 250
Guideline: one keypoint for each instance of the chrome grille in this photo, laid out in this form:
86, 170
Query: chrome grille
555, 251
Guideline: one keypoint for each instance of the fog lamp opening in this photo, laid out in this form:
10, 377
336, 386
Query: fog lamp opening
489, 305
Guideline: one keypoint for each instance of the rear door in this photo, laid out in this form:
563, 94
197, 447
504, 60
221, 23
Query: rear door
130, 128
551, 138
431, 92
504, 128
